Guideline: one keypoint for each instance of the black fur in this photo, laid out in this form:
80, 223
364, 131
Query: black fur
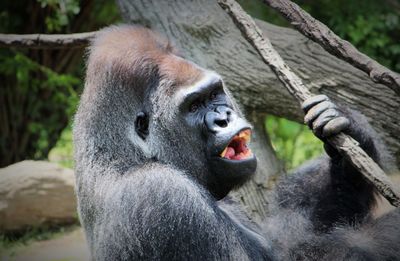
146, 195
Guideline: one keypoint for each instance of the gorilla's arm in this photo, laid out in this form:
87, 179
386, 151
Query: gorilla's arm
330, 189
294, 239
163, 215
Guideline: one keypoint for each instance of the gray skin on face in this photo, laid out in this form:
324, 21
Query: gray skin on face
151, 185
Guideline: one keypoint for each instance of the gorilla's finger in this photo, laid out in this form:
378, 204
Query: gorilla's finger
307, 104
335, 126
315, 111
322, 120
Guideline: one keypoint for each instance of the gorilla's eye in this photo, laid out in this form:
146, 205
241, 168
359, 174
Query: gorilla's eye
142, 125
194, 106
213, 95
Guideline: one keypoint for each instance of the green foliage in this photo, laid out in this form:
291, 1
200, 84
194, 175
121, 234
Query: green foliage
293, 142
40, 88
105, 12
39, 103
61, 12
62, 153
372, 26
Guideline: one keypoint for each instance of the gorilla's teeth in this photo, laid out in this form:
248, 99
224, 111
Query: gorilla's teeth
224, 152
237, 146
245, 135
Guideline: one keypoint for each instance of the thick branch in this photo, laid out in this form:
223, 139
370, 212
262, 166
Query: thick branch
321, 34
46, 41
346, 145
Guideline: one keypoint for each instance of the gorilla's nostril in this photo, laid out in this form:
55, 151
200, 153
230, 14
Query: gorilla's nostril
221, 123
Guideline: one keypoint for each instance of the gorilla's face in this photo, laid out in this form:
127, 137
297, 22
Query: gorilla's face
208, 138
208, 108
182, 114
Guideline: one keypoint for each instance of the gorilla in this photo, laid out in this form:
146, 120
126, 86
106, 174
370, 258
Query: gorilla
159, 144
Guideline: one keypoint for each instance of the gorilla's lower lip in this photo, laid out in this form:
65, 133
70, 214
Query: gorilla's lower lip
237, 149
250, 158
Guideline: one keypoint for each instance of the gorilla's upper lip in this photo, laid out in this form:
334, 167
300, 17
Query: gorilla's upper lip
236, 149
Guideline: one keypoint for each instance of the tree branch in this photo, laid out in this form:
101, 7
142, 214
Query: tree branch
46, 41
321, 34
346, 145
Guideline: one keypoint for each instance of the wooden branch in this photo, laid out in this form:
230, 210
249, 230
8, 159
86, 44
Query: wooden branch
46, 41
321, 34
346, 145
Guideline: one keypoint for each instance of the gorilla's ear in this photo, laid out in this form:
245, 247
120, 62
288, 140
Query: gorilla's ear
142, 125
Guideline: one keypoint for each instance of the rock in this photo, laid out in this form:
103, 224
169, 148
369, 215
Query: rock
35, 193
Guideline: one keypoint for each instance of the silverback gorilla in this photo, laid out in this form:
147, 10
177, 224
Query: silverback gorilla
159, 143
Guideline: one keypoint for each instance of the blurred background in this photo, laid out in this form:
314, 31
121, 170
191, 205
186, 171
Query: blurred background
39, 89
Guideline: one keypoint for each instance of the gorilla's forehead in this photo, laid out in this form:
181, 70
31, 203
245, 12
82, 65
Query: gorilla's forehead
135, 53
128, 46
181, 73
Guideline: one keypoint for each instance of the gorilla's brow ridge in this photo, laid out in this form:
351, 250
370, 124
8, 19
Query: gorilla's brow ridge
207, 83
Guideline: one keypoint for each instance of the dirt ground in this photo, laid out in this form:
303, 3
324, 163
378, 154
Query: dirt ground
69, 247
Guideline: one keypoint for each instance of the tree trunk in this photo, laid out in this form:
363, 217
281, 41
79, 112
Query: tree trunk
207, 36
254, 194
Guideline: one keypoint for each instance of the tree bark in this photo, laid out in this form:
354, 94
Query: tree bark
255, 193
46, 41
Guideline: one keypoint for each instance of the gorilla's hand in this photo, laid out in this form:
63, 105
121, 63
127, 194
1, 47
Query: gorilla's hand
324, 119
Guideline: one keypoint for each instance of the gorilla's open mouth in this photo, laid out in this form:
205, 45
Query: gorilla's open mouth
237, 148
